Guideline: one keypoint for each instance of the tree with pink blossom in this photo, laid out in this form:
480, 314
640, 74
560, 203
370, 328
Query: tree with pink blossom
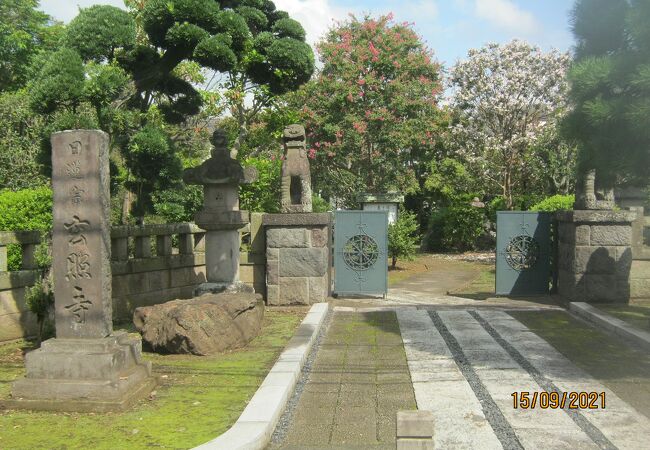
372, 112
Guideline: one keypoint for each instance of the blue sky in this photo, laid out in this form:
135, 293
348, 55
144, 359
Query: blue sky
450, 27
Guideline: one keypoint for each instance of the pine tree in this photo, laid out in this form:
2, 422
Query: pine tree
610, 88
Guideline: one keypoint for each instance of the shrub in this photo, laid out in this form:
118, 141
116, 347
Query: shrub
39, 299
555, 203
264, 194
402, 237
25, 210
456, 228
178, 205
319, 205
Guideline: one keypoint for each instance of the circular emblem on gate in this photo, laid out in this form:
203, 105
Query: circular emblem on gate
360, 252
522, 252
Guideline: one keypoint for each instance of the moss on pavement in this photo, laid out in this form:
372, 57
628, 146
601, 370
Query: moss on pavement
198, 399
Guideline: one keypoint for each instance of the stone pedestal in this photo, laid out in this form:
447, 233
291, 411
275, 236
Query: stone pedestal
84, 375
297, 258
594, 255
87, 367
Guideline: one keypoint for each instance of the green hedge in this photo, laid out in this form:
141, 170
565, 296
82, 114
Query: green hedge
24, 210
555, 203
455, 228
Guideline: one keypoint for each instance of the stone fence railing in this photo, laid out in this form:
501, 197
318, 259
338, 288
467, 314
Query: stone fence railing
150, 264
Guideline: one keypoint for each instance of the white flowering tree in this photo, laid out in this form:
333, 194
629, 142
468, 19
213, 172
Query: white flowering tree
506, 97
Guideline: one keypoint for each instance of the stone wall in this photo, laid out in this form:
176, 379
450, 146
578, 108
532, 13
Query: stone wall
150, 265
297, 258
595, 255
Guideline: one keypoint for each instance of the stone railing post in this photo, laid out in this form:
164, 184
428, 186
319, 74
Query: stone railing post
120, 248
28, 257
143, 246
185, 243
163, 245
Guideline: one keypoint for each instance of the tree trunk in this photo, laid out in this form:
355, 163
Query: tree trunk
394, 262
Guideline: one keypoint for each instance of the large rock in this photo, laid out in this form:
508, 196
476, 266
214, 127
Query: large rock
203, 325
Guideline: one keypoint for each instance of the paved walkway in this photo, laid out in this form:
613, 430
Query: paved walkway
462, 359
359, 381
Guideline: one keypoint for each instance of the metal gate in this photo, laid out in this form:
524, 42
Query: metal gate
523, 253
361, 252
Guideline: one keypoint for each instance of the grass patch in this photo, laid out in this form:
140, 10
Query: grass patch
198, 399
621, 367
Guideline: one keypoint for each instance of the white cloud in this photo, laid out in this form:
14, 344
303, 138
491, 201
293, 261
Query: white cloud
66, 10
420, 10
316, 16
506, 14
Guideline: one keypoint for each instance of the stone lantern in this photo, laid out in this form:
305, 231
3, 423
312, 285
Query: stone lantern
220, 176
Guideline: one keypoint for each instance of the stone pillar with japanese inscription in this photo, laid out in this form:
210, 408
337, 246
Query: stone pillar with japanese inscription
88, 366
81, 235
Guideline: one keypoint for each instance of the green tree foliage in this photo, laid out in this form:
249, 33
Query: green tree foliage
154, 164
178, 204
249, 40
22, 33
105, 29
371, 109
20, 134
403, 237
60, 83
264, 194
610, 88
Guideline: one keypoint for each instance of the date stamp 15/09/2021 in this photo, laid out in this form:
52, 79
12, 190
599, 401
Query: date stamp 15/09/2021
558, 400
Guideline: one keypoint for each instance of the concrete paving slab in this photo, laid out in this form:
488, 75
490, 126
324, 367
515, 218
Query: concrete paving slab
623, 426
458, 416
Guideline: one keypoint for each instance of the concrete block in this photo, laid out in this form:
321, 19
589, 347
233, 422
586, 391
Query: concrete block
293, 291
12, 301
272, 254
317, 289
601, 288
414, 444
582, 235
288, 238
272, 295
640, 288
272, 272
298, 262
595, 260
415, 424
17, 326
319, 237
266, 404
611, 235
640, 269
623, 262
